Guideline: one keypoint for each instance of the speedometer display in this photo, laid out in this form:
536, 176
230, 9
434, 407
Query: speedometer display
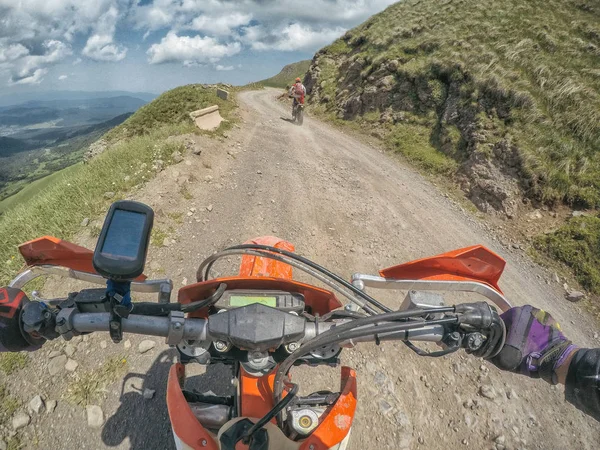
243, 300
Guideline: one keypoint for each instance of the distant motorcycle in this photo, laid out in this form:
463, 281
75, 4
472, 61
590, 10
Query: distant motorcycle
297, 109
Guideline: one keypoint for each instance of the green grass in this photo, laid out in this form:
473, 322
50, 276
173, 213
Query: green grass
413, 142
172, 108
8, 404
577, 245
286, 77
11, 362
31, 189
497, 71
90, 386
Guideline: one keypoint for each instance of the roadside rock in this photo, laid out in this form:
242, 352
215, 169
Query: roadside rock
69, 350
109, 195
57, 365
127, 344
85, 222
148, 394
488, 392
36, 404
50, 406
54, 354
20, 420
95, 149
71, 365
176, 157
95, 416
146, 345
575, 296
103, 345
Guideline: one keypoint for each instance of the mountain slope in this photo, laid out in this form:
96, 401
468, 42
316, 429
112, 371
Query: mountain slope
287, 75
503, 94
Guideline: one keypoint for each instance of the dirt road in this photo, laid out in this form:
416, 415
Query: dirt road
351, 208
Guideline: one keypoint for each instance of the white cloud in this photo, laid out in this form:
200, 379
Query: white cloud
31, 68
221, 25
100, 46
12, 52
63, 77
292, 37
190, 50
223, 68
34, 77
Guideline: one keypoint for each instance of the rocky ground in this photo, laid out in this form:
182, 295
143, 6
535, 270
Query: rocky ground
350, 207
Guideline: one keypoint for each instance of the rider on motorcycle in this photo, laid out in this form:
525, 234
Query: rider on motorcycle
535, 346
298, 92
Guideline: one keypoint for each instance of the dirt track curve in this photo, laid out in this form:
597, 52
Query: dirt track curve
352, 208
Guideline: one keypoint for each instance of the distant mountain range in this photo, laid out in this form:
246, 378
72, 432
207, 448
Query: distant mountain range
16, 99
41, 135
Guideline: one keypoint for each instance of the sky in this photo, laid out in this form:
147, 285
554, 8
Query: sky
155, 45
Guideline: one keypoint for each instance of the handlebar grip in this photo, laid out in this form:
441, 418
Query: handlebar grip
193, 329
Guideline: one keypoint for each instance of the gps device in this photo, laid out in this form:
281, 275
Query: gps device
120, 253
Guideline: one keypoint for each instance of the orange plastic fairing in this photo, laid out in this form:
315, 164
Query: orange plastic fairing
185, 424
56, 252
256, 394
319, 300
476, 263
338, 420
255, 266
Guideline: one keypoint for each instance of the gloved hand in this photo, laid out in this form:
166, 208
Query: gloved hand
535, 345
12, 337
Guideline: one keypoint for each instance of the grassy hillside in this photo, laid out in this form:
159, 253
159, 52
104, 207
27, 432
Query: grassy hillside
287, 75
59, 209
171, 108
506, 83
501, 95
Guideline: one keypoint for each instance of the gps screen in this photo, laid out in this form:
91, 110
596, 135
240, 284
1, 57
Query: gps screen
242, 300
124, 235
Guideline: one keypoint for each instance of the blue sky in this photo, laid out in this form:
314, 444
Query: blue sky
154, 45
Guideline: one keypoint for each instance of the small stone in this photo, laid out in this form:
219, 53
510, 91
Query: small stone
166, 242
190, 214
20, 420
148, 394
516, 246
36, 404
127, 344
127, 179
85, 222
500, 440
259, 172
69, 350
555, 277
176, 157
71, 365
209, 208
184, 282
95, 416
50, 406
54, 354
146, 345
575, 296
487, 392
421, 440
193, 209
109, 195
566, 287
103, 344
208, 178
595, 335
197, 151
465, 442
577, 214
511, 395
57, 365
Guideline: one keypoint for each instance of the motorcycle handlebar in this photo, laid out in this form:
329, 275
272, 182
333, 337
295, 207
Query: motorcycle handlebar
176, 329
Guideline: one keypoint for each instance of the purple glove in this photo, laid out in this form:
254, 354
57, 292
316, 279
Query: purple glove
535, 346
